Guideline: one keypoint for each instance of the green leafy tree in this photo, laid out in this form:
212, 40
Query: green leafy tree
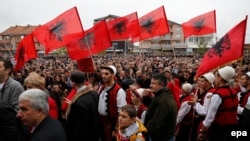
62, 51
202, 46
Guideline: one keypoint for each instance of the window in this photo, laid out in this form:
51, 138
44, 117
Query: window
178, 35
177, 42
178, 29
167, 36
190, 39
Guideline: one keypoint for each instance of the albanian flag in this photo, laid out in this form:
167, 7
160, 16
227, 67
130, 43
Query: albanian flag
229, 48
200, 25
96, 39
52, 34
124, 27
153, 24
26, 51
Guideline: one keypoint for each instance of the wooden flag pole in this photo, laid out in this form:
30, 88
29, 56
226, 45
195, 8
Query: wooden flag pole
240, 70
86, 39
171, 36
91, 56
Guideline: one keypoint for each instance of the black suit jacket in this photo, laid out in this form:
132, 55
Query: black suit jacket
9, 130
83, 119
49, 130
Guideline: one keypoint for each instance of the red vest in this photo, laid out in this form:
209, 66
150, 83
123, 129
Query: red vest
227, 111
111, 100
128, 97
189, 116
244, 98
210, 90
140, 110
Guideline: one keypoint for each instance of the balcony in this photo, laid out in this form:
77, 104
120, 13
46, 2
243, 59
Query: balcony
159, 38
174, 46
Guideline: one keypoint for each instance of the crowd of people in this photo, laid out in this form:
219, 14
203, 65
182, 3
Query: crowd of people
126, 98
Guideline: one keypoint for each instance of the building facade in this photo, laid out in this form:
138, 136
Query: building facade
174, 42
10, 38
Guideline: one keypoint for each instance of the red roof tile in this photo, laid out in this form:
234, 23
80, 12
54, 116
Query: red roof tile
19, 30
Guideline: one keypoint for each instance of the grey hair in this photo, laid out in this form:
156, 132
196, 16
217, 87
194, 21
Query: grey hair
38, 99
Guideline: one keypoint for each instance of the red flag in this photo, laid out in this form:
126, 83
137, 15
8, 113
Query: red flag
200, 25
96, 40
26, 50
153, 24
229, 48
124, 27
52, 34
86, 65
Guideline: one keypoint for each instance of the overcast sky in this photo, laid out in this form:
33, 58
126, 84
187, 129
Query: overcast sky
35, 12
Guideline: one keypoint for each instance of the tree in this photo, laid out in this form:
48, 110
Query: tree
202, 46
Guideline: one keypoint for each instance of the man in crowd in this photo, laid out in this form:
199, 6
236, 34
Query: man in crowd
201, 102
33, 112
111, 98
144, 81
82, 115
10, 89
244, 102
161, 115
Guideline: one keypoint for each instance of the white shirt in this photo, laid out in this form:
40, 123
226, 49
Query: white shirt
143, 116
212, 110
1, 85
129, 131
203, 109
102, 106
183, 111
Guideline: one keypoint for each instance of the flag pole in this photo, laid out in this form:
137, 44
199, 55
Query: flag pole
85, 36
240, 71
174, 53
216, 37
91, 56
243, 42
173, 46
140, 48
88, 77
125, 47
